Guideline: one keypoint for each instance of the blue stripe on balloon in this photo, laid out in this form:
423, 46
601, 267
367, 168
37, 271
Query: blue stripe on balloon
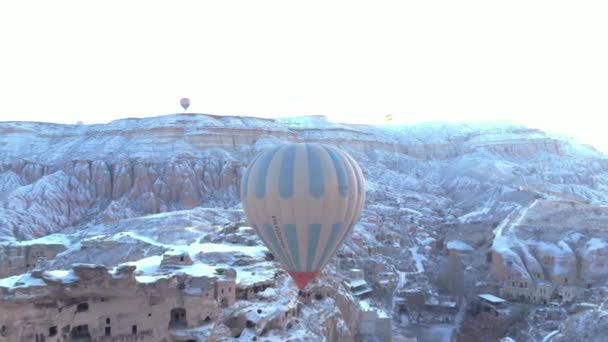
314, 234
276, 246
333, 235
245, 181
352, 163
340, 172
260, 179
292, 243
255, 227
286, 178
266, 242
316, 185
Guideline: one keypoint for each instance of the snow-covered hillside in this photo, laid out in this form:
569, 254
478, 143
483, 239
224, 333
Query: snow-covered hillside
136, 191
53, 176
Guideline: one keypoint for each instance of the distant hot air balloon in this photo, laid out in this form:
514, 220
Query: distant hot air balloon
303, 200
185, 102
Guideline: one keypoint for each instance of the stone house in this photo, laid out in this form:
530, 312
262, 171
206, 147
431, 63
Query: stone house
356, 273
412, 300
490, 303
387, 279
533, 287
441, 306
103, 307
219, 288
18, 259
544, 292
225, 291
375, 325
518, 288
594, 259
356, 282
567, 293
247, 291
261, 318
358, 287
314, 292
175, 259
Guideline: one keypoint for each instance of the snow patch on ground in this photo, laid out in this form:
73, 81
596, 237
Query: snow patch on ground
53, 239
418, 258
459, 245
477, 214
21, 280
63, 276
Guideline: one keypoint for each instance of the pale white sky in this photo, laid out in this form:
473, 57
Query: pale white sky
540, 63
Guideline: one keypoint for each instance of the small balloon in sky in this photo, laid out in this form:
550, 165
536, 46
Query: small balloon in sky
185, 102
303, 200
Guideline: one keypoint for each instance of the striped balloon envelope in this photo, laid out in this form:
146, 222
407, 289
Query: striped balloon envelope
303, 200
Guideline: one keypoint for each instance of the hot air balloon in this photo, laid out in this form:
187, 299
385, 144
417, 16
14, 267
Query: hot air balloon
185, 102
303, 200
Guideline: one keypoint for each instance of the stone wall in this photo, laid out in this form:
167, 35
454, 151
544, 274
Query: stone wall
103, 318
92, 303
371, 325
174, 259
539, 275
18, 259
225, 291
538, 292
248, 291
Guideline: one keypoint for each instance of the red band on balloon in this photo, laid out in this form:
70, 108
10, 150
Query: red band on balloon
303, 278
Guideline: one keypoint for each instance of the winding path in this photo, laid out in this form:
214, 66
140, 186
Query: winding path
512, 220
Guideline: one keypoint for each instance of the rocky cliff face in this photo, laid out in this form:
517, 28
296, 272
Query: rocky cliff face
51, 198
55, 176
562, 242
